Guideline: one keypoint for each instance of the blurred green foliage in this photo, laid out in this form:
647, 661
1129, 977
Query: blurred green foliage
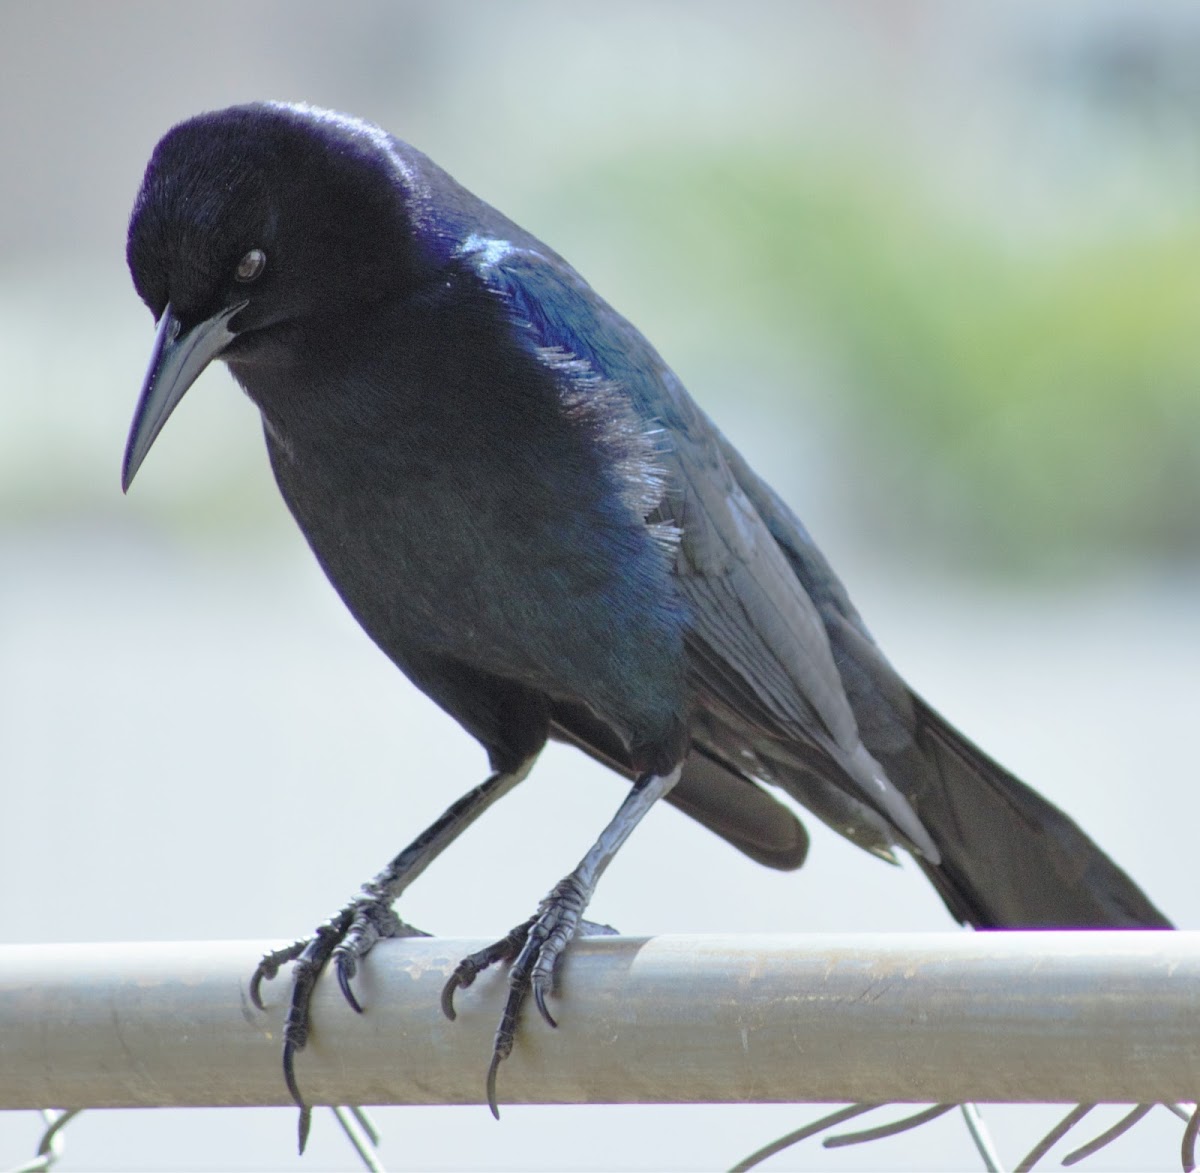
1012, 401
989, 392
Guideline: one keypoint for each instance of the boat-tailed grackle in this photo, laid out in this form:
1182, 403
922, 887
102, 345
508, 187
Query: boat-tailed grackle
521, 505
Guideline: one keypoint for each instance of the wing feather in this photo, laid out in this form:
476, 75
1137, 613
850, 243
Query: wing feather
758, 648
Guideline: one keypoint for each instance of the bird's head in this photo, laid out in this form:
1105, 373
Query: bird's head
252, 226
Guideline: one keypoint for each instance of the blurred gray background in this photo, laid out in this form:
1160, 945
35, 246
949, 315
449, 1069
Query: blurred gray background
934, 267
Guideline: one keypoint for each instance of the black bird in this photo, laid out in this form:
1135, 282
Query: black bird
520, 503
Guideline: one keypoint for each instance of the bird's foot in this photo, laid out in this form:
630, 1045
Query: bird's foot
345, 939
535, 948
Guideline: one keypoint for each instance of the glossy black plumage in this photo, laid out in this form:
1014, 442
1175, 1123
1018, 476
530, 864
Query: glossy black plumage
522, 506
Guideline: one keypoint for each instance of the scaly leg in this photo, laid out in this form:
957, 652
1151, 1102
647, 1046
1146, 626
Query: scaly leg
536, 945
351, 934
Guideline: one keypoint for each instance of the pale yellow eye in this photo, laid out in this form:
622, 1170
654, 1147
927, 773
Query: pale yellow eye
250, 267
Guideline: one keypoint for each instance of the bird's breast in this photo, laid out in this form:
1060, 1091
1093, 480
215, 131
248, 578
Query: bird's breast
494, 556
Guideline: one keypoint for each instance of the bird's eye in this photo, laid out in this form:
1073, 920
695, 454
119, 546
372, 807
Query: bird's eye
250, 267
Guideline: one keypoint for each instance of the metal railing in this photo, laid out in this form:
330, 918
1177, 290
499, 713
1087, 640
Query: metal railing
1070, 1017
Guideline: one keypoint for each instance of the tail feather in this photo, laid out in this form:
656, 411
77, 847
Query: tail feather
711, 790
740, 811
1010, 859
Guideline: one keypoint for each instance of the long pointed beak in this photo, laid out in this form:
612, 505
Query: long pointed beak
175, 363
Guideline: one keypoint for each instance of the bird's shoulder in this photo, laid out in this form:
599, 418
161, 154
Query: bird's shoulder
752, 621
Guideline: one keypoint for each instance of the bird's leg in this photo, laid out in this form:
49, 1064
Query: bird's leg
350, 935
536, 945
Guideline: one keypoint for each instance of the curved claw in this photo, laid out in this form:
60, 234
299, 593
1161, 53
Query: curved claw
493, 1070
256, 981
469, 968
346, 968
303, 1125
289, 1072
269, 966
539, 996
448, 991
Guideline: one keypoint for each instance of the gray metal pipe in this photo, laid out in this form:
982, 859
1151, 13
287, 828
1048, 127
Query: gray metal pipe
1013, 1017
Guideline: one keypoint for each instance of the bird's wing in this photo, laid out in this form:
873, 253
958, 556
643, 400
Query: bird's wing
761, 650
1009, 857
759, 653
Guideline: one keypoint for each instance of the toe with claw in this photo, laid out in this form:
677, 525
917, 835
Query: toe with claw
535, 948
345, 939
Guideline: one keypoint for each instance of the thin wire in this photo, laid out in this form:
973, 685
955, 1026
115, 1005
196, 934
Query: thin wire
1121, 1127
362, 1134
368, 1125
1187, 1151
893, 1128
982, 1137
975, 1125
785, 1142
1052, 1137
53, 1142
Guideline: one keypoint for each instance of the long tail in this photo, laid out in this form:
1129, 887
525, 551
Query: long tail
1010, 859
